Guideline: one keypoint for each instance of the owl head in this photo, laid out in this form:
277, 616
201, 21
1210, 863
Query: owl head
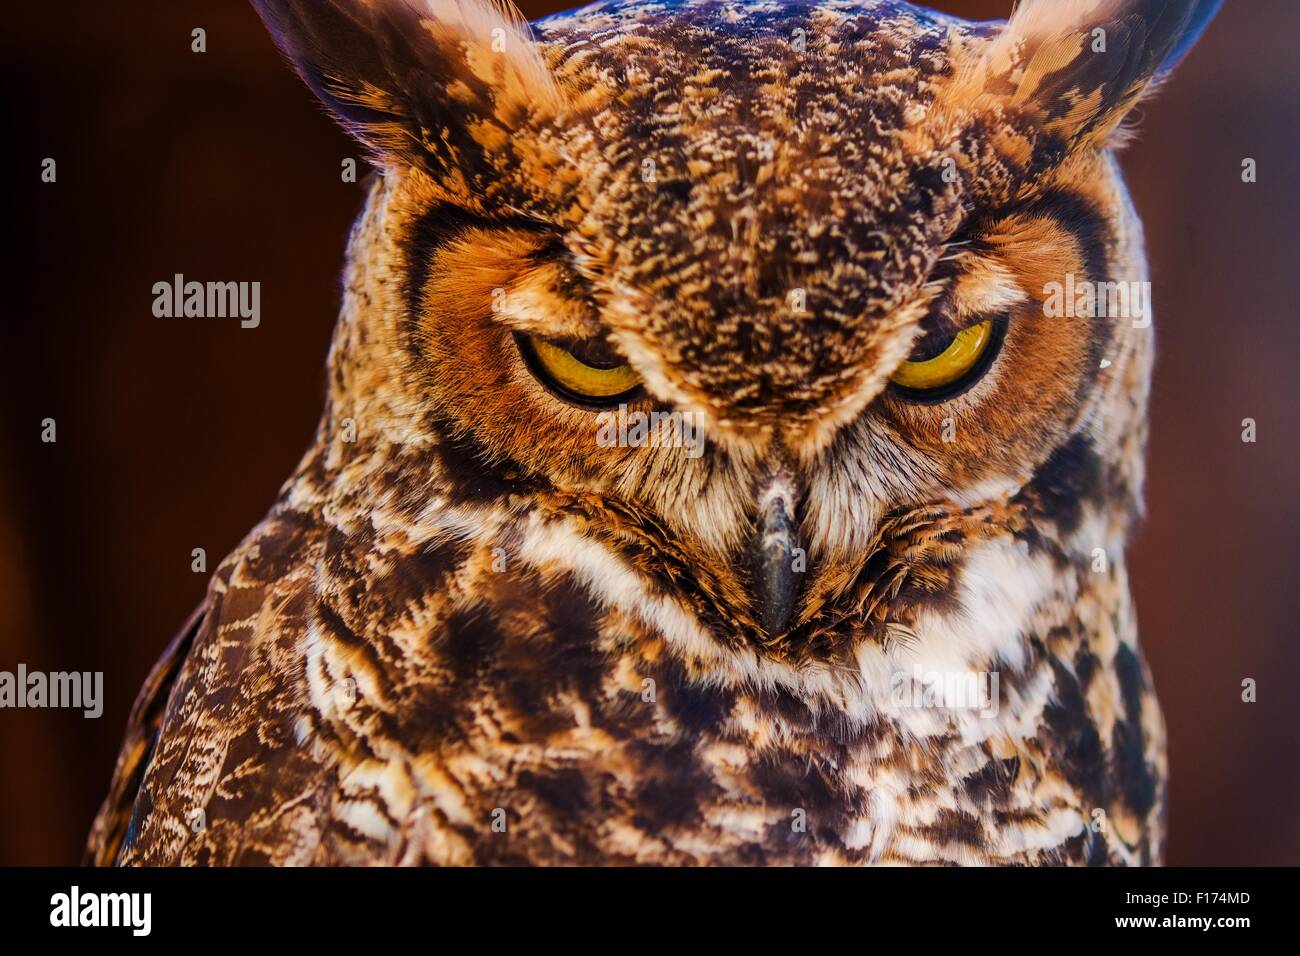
788, 305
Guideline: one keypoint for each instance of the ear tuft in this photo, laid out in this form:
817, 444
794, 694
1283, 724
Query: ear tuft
1081, 65
413, 79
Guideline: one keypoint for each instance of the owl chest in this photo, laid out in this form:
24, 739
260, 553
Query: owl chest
520, 721
617, 759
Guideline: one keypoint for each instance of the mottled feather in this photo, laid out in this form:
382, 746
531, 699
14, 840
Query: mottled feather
470, 632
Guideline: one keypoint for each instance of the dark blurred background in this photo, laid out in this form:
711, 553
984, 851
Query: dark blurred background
174, 435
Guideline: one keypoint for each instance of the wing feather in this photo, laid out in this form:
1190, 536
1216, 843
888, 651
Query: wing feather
114, 817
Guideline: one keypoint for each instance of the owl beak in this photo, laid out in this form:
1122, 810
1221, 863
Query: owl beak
775, 550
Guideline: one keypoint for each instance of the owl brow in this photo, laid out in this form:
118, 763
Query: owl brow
944, 273
554, 250
1074, 214
438, 227
951, 310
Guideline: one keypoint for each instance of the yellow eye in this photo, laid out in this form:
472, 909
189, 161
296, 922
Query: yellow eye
589, 372
949, 366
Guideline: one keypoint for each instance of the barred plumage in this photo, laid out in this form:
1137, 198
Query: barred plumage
469, 632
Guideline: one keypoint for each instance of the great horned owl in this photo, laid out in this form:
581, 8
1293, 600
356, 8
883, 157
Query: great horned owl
715, 394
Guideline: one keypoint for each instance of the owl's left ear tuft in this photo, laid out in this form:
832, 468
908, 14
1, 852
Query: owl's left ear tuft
1081, 65
435, 83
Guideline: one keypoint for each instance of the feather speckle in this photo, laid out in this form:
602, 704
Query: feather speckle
472, 631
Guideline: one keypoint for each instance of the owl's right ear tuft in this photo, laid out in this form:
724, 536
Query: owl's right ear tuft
434, 83
1079, 66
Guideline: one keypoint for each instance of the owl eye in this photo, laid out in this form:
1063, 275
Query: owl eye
943, 364
587, 372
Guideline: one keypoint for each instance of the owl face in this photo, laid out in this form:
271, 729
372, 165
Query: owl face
760, 293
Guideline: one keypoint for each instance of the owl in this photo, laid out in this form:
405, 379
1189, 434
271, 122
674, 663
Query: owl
734, 423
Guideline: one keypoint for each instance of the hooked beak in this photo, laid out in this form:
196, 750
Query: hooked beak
776, 582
